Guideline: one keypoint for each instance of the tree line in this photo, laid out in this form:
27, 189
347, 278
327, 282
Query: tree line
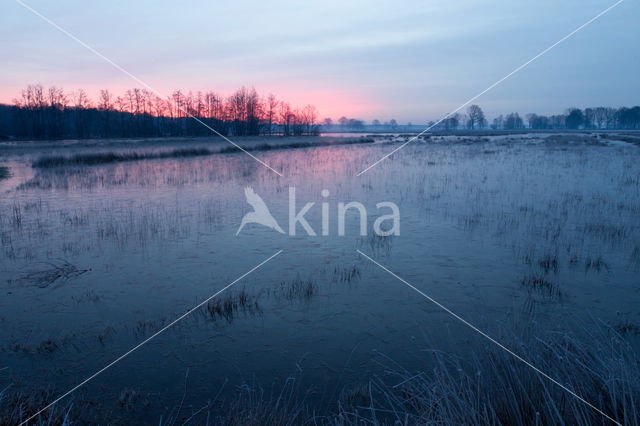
52, 113
598, 118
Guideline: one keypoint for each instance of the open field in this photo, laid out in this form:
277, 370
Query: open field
533, 238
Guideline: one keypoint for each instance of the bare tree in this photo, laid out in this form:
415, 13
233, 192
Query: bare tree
105, 104
272, 106
476, 117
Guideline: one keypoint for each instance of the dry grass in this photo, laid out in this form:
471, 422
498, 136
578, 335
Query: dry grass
492, 387
227, 307
495, 388
118, 157
297, 289
113, 157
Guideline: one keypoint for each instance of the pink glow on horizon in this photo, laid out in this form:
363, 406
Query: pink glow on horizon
329, 103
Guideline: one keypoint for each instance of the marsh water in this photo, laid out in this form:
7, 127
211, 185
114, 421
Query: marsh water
504, 231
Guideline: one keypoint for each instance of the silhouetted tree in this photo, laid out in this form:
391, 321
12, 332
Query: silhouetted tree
575, 119
476, 117
513, 121
53, 114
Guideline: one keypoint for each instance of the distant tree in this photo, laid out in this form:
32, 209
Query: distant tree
309, 117
452, 122
272, 106
81, 104
105, 105
574, 119
537, 121
476, 117
355, 124
286, 118
557, 121
56, 120
628, 118
52, 113
599, 117
513, 121
611, 118
589, 118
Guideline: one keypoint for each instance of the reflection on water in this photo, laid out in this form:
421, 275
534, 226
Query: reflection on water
94, 259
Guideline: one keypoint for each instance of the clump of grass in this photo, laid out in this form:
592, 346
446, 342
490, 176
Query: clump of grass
106, 334
17, 407
598, 264
293, 145
549, 263
227, 307
358, 396
541, 285
113, 157
574, 261
16, 216
48, 346
627, 328
116, 157
347, 275
377, 242
44, 347
635, 255
297, 289
4, 172
606, 232
496, 388
253, 406
129, 399
87, 296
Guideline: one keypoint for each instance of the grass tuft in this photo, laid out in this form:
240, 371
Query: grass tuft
112, 157
227, 307
115, 157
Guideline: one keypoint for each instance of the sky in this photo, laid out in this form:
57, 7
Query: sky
412, 61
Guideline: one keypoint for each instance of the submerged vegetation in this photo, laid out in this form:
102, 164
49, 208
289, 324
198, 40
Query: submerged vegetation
49, 273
